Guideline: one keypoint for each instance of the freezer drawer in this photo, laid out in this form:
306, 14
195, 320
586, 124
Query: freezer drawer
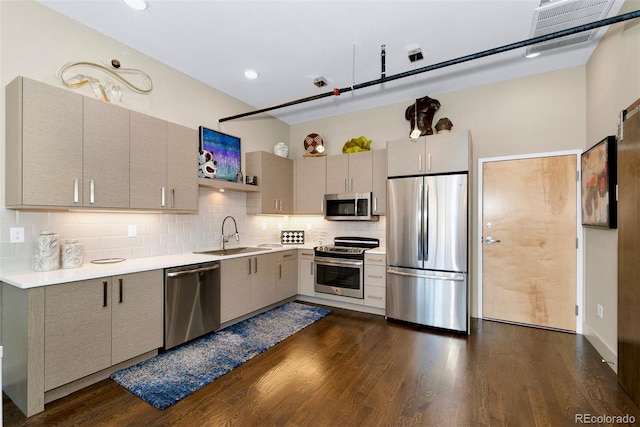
428, 298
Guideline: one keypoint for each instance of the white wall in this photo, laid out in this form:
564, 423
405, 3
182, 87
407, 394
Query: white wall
536, 114
613, 84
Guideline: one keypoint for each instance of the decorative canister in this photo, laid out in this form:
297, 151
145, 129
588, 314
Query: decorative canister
281, 149
72, 254
46, 251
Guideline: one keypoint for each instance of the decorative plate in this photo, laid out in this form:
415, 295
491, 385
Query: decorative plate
311, 142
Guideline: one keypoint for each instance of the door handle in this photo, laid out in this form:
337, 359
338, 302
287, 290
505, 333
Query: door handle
490, 240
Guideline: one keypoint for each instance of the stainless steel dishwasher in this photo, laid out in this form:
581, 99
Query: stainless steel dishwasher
191, 302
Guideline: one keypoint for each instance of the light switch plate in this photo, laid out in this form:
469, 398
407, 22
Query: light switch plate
133, 230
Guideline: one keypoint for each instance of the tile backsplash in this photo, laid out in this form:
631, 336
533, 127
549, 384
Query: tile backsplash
106, 235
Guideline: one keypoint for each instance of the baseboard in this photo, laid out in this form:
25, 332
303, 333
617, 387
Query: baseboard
609, 355
57, 393
340, 304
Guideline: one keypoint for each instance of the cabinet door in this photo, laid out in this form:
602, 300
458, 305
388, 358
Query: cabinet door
305, 273
310, 185
379, 184
106, 155
406, 157
182, 168
287, 283
447, 152
360, 174
45, 134
263, 281
77, 323
235, 288
137, 314
275, 177
338, 174
148, 153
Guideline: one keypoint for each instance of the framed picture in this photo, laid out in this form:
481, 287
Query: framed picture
599, 171
225, 150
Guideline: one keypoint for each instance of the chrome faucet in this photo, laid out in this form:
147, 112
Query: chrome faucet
226, 238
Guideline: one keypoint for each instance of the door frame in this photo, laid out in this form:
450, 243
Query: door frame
579, 229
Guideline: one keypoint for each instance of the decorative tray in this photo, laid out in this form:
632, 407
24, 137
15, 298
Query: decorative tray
107, 260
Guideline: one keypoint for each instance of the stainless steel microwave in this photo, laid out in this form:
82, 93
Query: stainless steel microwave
348, 207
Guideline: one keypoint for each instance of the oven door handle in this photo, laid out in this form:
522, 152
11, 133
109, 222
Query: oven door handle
336, 261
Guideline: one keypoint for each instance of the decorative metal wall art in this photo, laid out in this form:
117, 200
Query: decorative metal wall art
107, 90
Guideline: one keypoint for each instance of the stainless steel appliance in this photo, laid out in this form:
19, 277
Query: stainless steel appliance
339, 268
427, 239
348, 207
191, 302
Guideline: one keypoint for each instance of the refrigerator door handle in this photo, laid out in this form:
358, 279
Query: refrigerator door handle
421, 220
453, 277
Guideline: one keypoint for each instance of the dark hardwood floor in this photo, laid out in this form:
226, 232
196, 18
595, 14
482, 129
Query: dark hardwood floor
356, 369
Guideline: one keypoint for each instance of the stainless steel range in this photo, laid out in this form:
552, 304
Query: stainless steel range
339, 268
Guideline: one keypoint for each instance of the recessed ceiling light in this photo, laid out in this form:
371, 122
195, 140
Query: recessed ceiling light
532, 55
251, 74
137, 4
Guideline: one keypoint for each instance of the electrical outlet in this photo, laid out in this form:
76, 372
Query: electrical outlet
600, 311
16, 235
133, 230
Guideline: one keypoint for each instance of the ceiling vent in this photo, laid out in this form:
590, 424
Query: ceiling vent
560, 15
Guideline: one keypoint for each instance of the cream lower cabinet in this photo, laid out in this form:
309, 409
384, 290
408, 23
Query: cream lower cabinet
375, 280
93, 324
287, 280
247, 284
306, 275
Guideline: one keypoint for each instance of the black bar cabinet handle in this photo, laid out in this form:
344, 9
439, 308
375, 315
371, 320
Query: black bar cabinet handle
104, 293
120, 283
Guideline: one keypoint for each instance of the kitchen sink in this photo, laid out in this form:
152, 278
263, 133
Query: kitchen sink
232, 251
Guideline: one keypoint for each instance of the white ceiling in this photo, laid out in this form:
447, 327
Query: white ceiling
290, 43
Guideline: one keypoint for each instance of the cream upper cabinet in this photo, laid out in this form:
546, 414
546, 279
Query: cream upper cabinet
310, 185
275, 178
66, 150
43, 145
164, 165
148, 151
106, 155
440, 153
379, 179
350, 173
182, 168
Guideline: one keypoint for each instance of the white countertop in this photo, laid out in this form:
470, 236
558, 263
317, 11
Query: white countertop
32, 279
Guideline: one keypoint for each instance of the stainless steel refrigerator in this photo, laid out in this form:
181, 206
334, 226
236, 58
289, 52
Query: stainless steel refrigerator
427, 239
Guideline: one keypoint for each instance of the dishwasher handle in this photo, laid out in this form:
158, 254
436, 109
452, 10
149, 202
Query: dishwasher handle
195, 270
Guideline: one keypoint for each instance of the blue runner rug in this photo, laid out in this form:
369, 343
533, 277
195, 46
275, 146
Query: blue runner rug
165, 379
